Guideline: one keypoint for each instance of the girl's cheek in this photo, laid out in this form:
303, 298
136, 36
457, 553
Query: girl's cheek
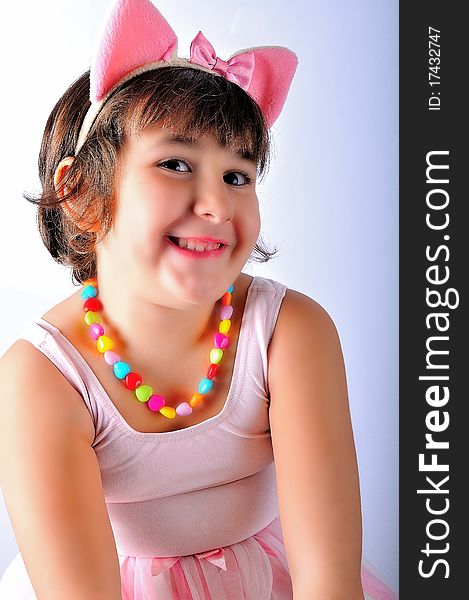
255, 223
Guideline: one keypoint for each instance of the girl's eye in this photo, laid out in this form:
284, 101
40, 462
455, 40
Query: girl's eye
237, 178
175, 164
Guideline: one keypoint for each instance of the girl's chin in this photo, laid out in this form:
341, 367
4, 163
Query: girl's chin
196, 288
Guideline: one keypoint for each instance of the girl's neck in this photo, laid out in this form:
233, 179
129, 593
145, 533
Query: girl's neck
142, 328
169, 328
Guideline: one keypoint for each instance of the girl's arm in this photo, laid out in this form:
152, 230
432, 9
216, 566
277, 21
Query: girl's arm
51, 482
314, 452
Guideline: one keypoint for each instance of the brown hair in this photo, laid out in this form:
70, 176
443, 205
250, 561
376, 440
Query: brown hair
202, 102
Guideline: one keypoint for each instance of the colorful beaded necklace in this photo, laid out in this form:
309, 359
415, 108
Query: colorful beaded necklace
133, 381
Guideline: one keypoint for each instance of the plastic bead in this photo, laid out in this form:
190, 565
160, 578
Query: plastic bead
168, 411
92, 317
121, 369
205, 385
132, 380
88, 292
195, 399
96, 330
184, 409
111, 357
143, 392
230, 289
226, 312
226, 299
216, 355
212, 371
93, 304
92, 281
104, 343
221, 340
156, 402
224, 326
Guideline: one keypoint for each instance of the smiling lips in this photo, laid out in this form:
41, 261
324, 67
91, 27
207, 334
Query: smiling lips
200, 244
197, 247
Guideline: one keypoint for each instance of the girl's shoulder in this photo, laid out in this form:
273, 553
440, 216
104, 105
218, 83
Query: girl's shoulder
32, 373
304, 325
27, 374
297, 314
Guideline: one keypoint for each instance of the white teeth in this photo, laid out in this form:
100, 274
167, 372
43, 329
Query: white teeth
196, 245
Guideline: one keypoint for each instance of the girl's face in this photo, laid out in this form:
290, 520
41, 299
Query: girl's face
170, 192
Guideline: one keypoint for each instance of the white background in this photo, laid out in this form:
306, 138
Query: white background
330, 199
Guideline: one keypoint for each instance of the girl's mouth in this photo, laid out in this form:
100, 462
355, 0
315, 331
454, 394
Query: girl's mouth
193, 248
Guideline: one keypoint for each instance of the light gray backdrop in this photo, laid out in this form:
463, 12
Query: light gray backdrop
330, 199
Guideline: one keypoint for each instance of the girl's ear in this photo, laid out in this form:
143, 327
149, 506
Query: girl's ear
62, 191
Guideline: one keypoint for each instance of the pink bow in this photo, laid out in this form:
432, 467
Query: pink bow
160, 564
239, 68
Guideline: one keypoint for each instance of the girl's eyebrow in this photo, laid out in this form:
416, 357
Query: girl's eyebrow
187, 140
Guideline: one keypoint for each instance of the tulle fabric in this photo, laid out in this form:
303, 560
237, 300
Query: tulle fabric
255, 569
373, 583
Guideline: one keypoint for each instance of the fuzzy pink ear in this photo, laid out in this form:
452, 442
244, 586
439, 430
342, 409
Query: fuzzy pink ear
273, 73
135, 33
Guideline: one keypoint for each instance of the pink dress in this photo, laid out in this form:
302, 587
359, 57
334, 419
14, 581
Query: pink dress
194, 512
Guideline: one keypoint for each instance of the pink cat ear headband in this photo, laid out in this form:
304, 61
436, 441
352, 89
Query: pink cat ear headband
137, 38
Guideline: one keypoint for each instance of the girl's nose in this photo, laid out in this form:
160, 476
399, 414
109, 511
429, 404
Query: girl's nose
213, 201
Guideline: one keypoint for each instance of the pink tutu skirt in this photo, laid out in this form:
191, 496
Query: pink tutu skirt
253, 569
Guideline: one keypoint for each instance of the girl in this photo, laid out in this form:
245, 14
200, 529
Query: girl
190, 436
